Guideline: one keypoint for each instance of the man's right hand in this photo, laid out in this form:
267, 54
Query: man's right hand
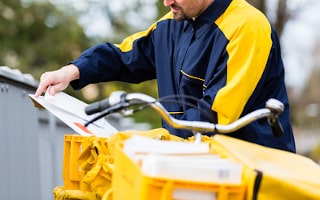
58, 79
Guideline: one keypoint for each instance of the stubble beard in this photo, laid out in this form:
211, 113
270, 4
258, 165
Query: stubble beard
180, 16
178, 13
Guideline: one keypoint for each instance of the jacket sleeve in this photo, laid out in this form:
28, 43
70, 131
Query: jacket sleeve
131, 61
247, 56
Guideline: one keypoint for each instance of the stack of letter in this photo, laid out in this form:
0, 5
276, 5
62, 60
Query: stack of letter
183, 161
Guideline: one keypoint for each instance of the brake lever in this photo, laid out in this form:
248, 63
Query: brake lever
276, 127
276, 107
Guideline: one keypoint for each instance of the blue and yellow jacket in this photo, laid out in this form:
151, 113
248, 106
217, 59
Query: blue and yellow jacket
229, 58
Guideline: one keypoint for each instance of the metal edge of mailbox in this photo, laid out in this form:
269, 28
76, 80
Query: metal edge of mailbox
16, 76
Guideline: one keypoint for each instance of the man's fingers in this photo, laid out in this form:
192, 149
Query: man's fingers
43, 85
58, 80
54, 89
41, 89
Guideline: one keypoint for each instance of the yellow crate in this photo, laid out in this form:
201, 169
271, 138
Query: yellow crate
86, 168
72, 173
130, 183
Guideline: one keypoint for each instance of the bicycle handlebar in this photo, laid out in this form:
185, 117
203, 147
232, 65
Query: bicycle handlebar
119, 101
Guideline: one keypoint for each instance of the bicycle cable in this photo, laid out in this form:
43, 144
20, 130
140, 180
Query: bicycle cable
167, 99
209, 116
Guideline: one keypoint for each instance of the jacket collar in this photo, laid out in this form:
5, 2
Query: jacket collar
214, 11
209, 16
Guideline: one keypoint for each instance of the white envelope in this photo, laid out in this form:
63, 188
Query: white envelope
71, 111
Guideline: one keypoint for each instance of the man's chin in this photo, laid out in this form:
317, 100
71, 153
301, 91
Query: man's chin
179, 17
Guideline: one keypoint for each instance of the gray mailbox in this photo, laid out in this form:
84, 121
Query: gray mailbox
31, 141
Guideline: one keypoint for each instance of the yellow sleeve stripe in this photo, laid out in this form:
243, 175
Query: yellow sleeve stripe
249, 34
175, 113
127, 44
192, 77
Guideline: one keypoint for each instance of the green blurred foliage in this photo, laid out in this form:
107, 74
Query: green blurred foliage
315, 153
36, 37
161, 9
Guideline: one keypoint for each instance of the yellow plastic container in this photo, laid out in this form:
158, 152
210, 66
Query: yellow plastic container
87, 168
130, 183
72, 173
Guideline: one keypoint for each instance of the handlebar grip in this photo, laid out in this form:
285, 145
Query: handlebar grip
97, 107
276, 127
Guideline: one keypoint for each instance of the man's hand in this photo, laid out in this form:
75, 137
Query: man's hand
58, 79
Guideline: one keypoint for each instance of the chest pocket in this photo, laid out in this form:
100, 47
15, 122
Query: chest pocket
191, 84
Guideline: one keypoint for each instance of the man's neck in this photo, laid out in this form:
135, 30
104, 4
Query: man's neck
206, 4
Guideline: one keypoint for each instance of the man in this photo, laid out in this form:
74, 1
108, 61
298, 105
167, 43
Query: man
223, 52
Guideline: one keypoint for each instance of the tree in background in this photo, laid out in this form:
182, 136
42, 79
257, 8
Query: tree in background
280, 12
36, 37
